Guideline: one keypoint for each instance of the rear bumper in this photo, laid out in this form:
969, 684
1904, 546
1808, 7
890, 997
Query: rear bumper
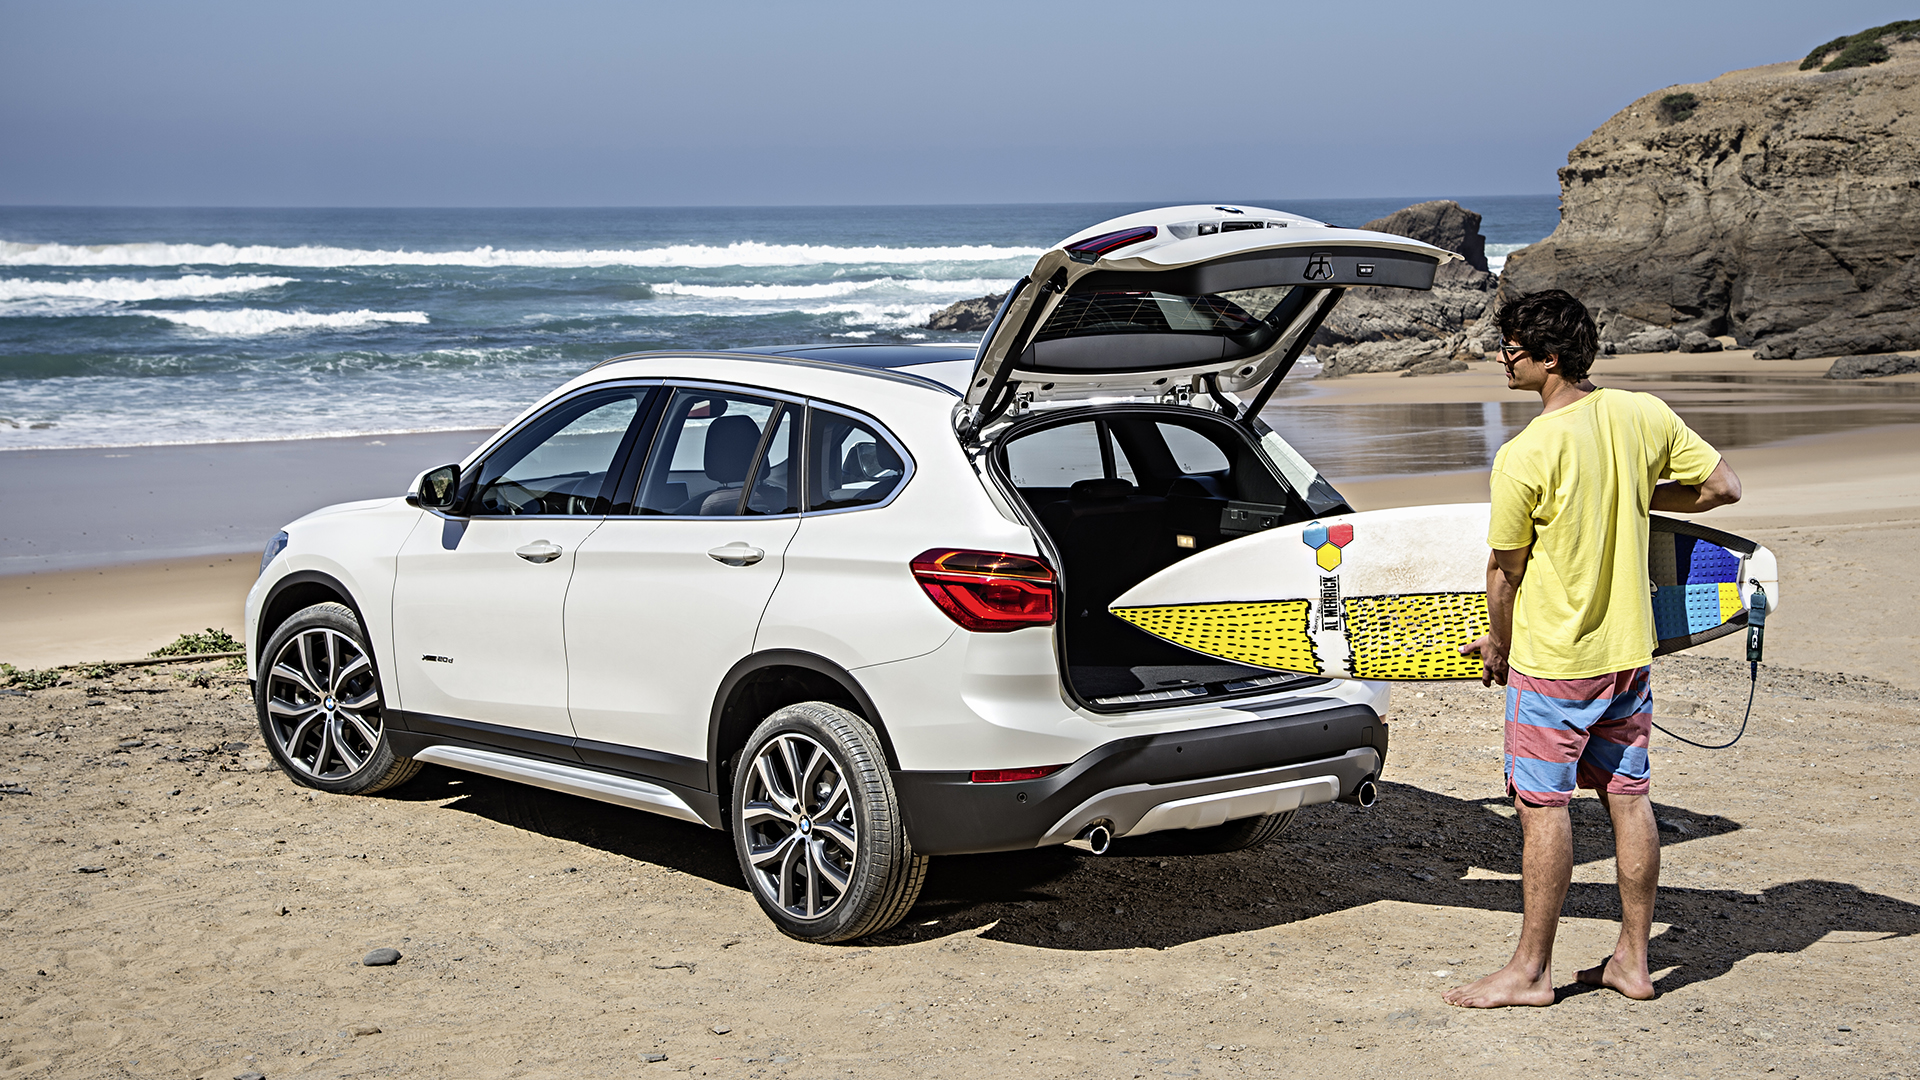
1148, 783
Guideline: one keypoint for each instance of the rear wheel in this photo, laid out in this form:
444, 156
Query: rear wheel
817, 827
318, 698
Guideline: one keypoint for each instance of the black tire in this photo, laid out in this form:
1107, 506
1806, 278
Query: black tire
319, 704
817, 827
1232, 836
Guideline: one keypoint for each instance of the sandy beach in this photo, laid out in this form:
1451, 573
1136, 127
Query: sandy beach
173, 907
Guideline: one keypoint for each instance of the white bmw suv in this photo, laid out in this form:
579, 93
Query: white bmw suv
849, 603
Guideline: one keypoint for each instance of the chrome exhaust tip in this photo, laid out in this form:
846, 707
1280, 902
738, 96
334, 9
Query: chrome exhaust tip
1363, 796
1095, 838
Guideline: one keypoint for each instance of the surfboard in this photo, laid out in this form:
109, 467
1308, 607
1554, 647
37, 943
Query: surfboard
1393, 594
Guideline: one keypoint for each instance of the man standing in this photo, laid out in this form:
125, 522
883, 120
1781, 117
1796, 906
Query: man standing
1571, 608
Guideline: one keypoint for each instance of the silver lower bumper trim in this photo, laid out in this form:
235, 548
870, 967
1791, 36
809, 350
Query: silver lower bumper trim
553, 776
1138, 809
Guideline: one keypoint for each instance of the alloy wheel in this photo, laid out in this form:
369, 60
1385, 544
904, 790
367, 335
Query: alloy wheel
802, 836
323, 704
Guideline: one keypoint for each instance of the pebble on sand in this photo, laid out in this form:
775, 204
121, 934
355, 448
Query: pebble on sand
650, 1058
89, 869
364, 1029
250, 1076
381, 957
721, 1029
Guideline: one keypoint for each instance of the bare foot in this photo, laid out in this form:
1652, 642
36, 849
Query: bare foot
1508, 986
1617, 974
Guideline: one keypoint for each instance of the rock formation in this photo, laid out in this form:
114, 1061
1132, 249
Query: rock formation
1873, 367
966, 316
1775, 204
1416, 332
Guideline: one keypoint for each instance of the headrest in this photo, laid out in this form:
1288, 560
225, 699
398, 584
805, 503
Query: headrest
1100, 488
1193, 487
731, 441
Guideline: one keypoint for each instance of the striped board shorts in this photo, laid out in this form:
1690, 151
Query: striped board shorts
1592, 732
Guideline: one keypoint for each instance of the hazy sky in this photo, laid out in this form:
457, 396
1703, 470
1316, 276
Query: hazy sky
563, 103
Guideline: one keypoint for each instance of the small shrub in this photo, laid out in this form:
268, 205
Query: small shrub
27, 679
1861, 49
1858, 54
1677, 107
196, 644
98, 671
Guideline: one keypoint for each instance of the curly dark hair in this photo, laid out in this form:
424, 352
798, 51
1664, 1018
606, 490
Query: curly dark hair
1553, 323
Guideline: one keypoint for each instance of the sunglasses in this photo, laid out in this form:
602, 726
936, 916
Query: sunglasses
1513, 352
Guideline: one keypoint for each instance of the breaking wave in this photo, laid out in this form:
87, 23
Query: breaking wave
967, 288
247, 322
134, 290
740, 253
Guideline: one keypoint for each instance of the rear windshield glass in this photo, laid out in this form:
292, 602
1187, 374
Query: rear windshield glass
1143, 312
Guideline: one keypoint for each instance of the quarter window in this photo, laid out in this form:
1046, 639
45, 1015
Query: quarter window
850, 464
558, 463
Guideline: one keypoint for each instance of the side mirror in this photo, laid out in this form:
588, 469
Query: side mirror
439, 488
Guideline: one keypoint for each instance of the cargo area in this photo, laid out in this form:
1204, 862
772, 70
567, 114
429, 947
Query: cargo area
1122, 494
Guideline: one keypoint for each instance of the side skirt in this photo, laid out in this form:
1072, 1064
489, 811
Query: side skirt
625, 776
571, 779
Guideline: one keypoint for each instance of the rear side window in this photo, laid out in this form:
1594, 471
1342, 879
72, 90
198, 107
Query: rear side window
1059, 457
848, 463
705, 454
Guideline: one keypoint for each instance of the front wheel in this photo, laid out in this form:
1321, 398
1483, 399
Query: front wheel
318, 697
817, 827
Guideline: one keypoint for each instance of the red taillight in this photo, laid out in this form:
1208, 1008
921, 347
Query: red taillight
1091, 249
1008, 776
987, 590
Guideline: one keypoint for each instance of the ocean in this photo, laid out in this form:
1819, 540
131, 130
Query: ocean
134, 327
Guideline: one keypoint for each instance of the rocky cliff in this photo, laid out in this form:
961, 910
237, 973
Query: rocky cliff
1776, 204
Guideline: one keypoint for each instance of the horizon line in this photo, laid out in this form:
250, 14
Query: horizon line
752, 206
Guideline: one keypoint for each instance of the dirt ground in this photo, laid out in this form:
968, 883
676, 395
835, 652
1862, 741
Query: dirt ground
173, 907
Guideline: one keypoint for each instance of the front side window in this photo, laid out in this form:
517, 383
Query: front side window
850, 464
558, 463
704, 456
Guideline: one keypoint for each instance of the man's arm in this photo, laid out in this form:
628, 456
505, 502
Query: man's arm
1720, 488
1504, 571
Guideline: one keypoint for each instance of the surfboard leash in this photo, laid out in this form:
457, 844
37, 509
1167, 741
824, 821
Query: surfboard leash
1756, 639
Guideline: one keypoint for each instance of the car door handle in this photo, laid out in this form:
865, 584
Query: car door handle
540, 551
736, 554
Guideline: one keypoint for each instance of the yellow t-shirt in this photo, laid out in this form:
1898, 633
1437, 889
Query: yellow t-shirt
1576, 484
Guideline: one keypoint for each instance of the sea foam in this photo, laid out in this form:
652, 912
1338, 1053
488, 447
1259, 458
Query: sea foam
247, 322
134, 290
740, 253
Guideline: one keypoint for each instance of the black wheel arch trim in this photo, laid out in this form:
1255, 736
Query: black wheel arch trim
776, 658
310, 577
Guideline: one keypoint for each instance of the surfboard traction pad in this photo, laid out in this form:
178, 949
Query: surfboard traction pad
1696, 590
1411, 636
1416, 636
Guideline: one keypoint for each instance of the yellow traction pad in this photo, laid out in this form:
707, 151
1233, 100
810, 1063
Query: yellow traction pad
1269, 633
1416, 636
